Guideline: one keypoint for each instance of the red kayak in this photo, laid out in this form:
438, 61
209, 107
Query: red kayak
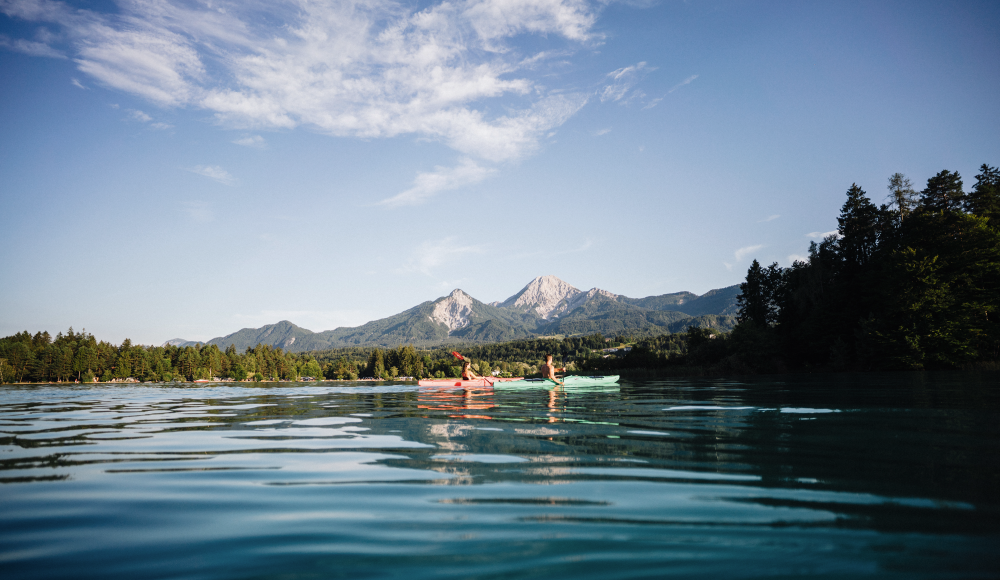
460, 383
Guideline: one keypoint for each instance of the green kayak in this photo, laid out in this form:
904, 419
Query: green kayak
568, 382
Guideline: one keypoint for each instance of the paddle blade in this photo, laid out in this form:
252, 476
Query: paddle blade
458, 356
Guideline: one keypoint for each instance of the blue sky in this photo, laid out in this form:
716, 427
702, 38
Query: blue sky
186, 169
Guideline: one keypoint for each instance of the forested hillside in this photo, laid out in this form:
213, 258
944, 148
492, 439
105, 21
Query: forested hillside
72, 357
81, 357
910, 284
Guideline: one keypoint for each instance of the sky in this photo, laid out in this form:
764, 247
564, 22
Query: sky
184, 169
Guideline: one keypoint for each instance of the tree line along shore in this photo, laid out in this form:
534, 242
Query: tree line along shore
911, 284
80, 357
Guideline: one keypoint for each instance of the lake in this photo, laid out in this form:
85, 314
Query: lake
825, 476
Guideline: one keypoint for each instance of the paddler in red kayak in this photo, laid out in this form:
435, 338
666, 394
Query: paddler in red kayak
549, 371
467, 374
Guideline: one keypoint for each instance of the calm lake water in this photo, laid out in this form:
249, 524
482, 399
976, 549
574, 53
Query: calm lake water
839, 476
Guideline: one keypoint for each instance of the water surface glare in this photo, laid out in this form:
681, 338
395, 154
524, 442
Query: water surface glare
823, 476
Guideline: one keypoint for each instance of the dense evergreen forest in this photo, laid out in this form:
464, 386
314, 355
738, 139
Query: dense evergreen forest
80, 357
913, 284
910, 284
514, 358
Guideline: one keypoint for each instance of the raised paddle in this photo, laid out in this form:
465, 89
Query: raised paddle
490, 381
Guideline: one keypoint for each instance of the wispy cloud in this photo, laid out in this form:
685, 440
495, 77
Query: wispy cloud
426, 185
600, 132
255, 141
365, 69
652, 103
742, 253
823, 235
746, 251
769, 218
29, 47
214, 172
136, 115
78, 84
430, 255
686, 81
621, 82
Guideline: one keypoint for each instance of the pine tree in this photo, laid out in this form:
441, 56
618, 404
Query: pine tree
984, 199
901, 194
863, 228
943, 193
757, 301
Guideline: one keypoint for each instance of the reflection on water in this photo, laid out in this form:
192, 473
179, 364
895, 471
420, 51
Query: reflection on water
846, 475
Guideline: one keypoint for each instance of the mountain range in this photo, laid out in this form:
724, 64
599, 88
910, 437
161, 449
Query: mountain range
546, 306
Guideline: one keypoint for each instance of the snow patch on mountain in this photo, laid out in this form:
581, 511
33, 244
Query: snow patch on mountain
453, 311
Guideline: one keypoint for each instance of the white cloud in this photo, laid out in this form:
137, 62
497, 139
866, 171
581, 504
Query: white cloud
742, 253
362, 68
622, 80
78, 84
255, 141
493, 19
797, 258
430, 255
29, 47
745, 251
214, 172
136, 115
429, 184
600, 132
653, 103
823, 235
769, 218
686, 81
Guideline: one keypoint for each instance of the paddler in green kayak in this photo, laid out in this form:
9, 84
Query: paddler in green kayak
549, 371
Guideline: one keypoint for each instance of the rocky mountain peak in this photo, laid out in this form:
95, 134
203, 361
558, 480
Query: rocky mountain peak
584, 297
547, 295
453, 311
